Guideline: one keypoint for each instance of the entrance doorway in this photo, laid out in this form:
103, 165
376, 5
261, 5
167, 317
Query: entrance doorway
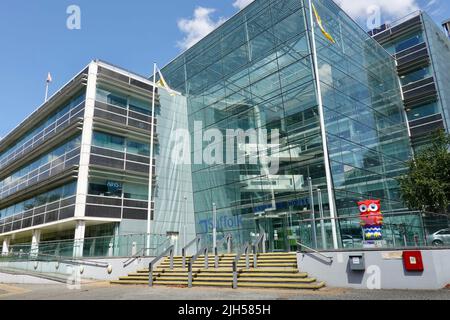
282, 233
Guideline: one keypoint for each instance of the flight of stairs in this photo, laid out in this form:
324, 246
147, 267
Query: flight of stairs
275, 270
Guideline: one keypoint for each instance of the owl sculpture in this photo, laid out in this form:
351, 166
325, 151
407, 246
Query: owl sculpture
371, 219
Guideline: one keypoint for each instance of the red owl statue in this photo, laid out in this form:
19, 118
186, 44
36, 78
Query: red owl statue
371, 218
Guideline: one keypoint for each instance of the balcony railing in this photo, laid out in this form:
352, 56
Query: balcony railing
49, 212
39, 138
46, 171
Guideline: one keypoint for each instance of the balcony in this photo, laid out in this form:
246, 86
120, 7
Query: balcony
51, 212
70, 118
41, 174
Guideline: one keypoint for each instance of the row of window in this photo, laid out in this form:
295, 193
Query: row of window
40, 200
405, 42
423, 111
43, 160
56, 115
118, 143
118, 189
123, 101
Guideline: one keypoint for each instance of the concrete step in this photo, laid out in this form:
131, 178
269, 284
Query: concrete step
274, 274
241, 263
225, 260
228, 269
157, 274
231, 259
275, 254
275, 280
275, 270
304, 286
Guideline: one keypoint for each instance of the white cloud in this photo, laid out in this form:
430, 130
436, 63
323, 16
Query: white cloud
241, 4
390, 9
198, 27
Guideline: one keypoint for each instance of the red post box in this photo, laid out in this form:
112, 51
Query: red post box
413, 261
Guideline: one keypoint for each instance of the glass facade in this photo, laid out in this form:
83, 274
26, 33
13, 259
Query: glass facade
256, 72
31, 173
54, 195
439, 47
123, 100
423, 54
114, 189
59, 116
118, 143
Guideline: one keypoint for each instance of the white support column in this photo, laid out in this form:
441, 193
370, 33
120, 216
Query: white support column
5, 248
86, 139
35, 239
79, 239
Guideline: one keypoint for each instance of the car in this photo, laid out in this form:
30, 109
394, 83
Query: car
440, 238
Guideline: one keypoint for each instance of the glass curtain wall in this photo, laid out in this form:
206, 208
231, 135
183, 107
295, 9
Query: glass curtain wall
365, 121
439, 47
255, 72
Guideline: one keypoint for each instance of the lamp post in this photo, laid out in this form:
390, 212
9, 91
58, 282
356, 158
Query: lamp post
214, 225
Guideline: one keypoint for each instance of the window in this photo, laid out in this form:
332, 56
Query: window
108, 141
138, 105
139, 148
106, 188
423, 111
43, 160
118, 143
40, 200
409, 42
415, 76
135, 191
58, 113
113, 188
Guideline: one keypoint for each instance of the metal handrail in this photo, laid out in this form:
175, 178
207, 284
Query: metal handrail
260, 242
139, 254
228, 238
183, 251
236, 261
301, 245
169, 250
204, 250
76, 241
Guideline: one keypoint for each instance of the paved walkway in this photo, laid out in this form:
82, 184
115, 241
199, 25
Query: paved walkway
105, 291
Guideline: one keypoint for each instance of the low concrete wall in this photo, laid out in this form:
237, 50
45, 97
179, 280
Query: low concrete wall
384, 270
73, 272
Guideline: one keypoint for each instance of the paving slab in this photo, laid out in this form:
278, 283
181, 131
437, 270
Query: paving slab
106, 291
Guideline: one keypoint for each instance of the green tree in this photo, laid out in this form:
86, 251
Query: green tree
427, 185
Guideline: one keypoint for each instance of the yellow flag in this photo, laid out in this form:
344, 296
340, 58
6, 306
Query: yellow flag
319, 22
162, 83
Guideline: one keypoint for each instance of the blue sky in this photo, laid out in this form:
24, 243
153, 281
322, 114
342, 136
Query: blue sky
131, 34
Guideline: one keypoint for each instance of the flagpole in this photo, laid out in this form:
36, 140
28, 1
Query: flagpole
150, 184
49, 79
46, 91
323, 132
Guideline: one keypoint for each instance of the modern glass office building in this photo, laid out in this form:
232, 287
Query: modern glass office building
79, 166
338, 108
330, 128
423, 54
